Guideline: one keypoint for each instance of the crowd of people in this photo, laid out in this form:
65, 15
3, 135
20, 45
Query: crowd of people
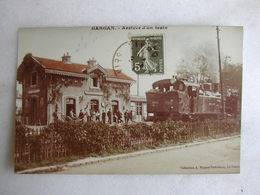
109, 117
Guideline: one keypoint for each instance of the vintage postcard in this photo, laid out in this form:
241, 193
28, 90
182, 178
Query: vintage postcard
129, 100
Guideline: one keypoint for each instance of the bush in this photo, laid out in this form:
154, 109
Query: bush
98, 138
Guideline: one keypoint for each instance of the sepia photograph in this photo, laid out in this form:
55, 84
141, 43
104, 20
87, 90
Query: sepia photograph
129, 100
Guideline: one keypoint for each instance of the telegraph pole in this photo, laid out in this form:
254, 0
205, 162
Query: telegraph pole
220, 74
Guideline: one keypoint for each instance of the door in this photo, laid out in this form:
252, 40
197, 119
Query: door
33, 111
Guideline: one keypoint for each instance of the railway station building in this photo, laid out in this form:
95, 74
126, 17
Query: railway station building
50, 86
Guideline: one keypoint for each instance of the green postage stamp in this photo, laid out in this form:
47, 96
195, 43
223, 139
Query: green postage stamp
147, 54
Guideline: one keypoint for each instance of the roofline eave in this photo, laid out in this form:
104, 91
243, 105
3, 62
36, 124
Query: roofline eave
38, 62
65, 73
97, 67
120, 80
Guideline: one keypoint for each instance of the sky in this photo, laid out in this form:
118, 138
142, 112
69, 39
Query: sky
180, 43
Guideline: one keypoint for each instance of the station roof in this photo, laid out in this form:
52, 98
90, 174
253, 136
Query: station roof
55, 65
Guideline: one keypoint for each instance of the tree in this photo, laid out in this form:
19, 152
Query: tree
185, 71
232, 76
232, 85
202, 67
197, 71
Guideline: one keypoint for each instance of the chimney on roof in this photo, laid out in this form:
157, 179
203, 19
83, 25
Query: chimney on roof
66, 58
91, 62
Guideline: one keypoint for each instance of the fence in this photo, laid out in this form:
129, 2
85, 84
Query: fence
70, 138
31, 146
26, 153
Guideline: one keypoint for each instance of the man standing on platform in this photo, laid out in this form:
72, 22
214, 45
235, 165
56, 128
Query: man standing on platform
103, 116
109, 116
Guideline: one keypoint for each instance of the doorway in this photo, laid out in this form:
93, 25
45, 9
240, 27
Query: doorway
115, 108
70, 105
94, 105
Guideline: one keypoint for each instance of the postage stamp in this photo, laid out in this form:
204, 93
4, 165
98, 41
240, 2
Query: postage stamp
147, 54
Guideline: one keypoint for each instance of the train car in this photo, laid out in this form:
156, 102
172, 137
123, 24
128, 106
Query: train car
175, 99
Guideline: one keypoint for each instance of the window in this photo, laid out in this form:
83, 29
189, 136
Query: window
95, 82
70, 106
34, 78
207, 87
138, 108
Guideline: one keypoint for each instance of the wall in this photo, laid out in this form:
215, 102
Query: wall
83, 92
36, 92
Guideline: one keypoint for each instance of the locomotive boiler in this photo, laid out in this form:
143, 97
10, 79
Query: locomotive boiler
175, 99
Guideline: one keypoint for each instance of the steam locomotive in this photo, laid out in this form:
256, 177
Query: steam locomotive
176, 99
